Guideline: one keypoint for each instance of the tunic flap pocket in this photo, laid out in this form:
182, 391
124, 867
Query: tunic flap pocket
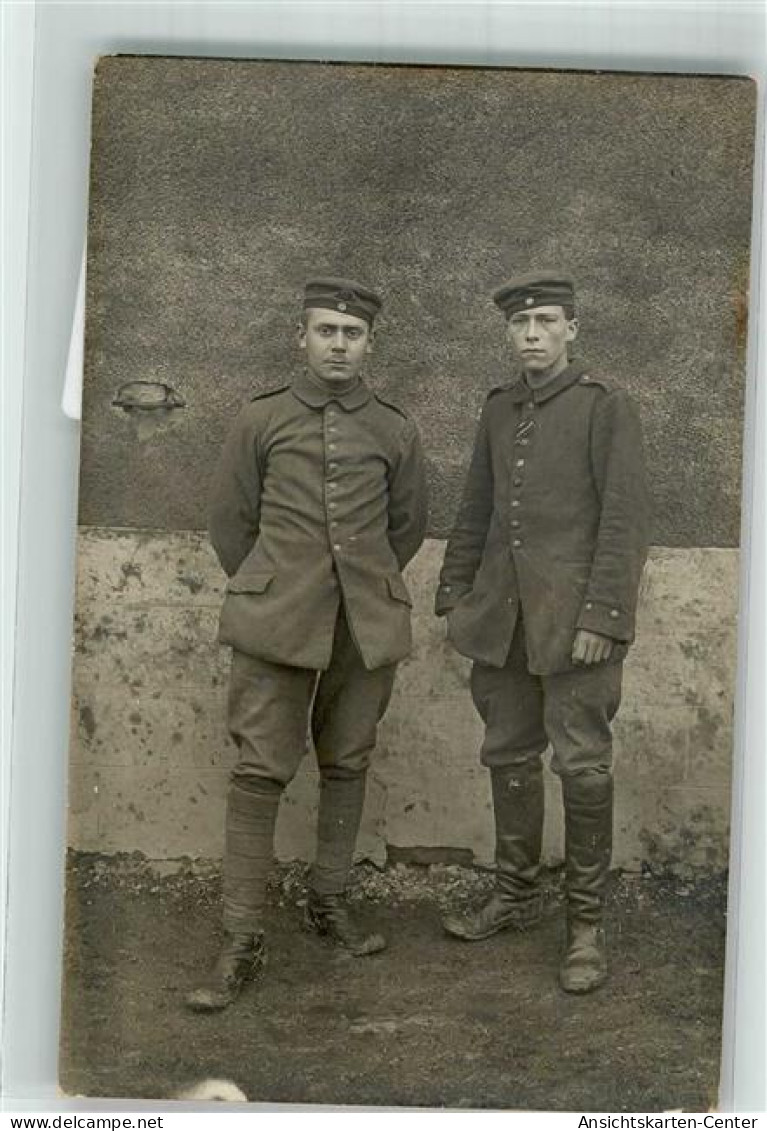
253, 583
398, 590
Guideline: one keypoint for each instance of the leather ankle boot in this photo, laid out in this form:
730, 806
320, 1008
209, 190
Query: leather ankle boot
251, 813
584, 967
588, 802
516, 901
497, 913
329, 915
241, 959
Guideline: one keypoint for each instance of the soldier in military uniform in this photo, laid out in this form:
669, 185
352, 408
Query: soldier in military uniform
539, 585
318, 504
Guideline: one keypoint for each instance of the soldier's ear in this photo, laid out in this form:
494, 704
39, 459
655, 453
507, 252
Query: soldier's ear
302, 335
371, 340
572, 329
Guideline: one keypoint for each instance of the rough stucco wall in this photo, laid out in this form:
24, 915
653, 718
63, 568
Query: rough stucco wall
218, 186
150, 753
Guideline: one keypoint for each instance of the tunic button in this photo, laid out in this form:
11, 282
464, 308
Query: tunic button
614, 614
589, 605
520, 463
447, 588
516, 481
336, 546
522, 443
332, 466
531, 404
517, 542
332, 447
515, 523
515, 502
332, 506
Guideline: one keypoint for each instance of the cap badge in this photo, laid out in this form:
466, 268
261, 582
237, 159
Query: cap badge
341, 305
529, 300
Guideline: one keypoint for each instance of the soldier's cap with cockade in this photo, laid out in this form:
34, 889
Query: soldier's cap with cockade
536, 288
344, 295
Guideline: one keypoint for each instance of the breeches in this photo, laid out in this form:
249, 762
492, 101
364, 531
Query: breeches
272, 707
524, 713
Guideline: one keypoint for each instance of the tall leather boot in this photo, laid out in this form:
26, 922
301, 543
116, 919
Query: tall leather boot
588, 804
516, 901
342, 796
250, 819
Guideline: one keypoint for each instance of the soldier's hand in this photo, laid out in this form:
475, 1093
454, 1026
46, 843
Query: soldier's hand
591, 647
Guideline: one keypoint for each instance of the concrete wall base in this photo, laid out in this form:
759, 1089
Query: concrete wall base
150, 754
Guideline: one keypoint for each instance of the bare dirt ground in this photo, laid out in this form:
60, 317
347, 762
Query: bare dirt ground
430, 1022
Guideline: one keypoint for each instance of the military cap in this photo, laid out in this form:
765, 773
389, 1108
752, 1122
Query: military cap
536, 288
344, 295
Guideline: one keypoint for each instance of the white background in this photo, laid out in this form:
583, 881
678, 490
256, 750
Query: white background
48, 54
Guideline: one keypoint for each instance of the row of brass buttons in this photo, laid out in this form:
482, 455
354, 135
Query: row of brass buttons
331, 484
521, 438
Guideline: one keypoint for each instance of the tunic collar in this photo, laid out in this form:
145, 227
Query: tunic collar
520, 391
312, 394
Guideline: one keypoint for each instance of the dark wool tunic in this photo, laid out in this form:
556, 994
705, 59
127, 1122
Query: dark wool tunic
554, 523
320, 498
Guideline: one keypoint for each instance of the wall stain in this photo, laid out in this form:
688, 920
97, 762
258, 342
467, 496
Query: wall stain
192, 582
104, 631
88, 721
684, 848
128, 570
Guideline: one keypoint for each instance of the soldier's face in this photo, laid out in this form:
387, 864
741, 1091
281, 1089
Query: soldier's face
336, 344
539, 338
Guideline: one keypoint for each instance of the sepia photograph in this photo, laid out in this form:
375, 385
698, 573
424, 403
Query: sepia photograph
406, 632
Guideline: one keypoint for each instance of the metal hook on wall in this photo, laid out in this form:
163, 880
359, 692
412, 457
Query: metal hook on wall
147, 396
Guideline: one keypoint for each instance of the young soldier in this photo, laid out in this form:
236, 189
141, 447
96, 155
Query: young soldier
539, 585
318, 504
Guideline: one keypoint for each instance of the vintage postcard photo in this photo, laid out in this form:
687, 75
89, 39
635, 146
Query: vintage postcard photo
408, 581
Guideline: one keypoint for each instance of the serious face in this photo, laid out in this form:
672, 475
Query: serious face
539, 339
336, 344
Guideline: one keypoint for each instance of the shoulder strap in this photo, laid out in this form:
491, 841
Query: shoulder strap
389, 404
601, 382
500, 389
269, 393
